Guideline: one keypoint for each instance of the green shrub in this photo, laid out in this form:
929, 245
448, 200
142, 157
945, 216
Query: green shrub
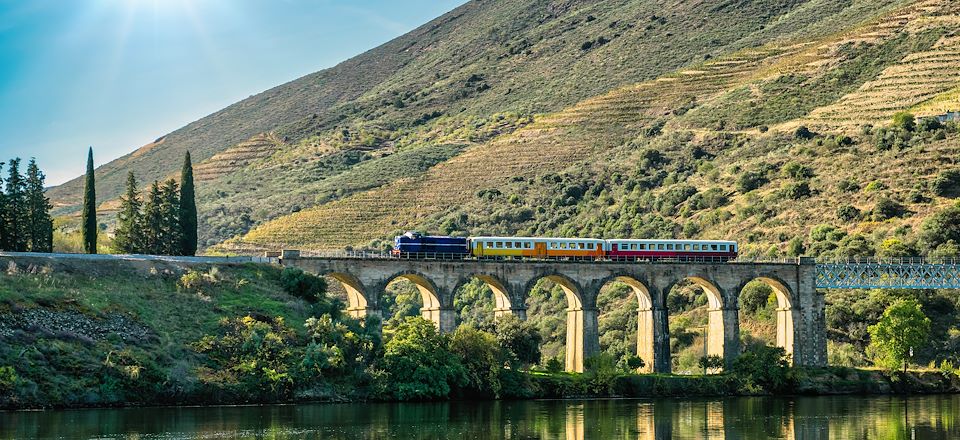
848, 213
418, 363
482, 358
751, 180
765, 367
8, 379
941, 228
797, 171
887, 209
905, 121
754, 296
797, 190
848, 185
803, 133
554, 365
710, 363
303, 285
520, 338
947, 183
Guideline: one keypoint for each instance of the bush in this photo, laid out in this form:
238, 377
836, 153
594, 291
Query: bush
803, 133
520, 338
797, 190
754, 296
418, 364
482, 358
710, 363
887, 209
848, 185
797, 171
751, 180
554, 365
941, 228
8, 379
848, 213
947, 183
905, 121
765, 367
303, 285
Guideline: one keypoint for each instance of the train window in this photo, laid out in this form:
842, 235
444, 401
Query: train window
591, 245
713, 247
642, 246
509, 245
696, 247
686, 247
723, 247
669, 246
660, 247
499, 245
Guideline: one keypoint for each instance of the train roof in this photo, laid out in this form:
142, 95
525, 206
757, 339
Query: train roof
654, 240
543, 239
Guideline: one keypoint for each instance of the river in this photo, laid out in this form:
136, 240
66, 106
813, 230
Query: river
842, 417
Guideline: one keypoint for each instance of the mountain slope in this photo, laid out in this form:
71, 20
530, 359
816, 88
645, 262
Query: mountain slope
485, 57
662, 158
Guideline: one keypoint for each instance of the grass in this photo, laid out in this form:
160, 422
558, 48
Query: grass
61, 363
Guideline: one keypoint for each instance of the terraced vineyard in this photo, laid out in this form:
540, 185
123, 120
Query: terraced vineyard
238, 157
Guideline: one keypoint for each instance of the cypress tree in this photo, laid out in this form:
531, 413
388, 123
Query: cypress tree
129, 236
188, 210
153, 221
88, 221
170, 231
40, 223
17, 217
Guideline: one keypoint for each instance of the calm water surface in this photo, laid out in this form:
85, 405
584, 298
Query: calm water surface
928, 417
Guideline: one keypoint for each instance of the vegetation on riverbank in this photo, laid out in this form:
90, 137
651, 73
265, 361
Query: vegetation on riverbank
76, 334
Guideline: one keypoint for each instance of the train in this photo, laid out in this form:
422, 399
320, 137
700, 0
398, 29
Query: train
416, 245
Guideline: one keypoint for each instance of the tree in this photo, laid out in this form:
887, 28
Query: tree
482, 358
4, 233
153, 220
170, 231
905, 121
941, 228
16, 214
129, 236
188, 210
39, 224
418, 363
88, 221
520, 338
902, 329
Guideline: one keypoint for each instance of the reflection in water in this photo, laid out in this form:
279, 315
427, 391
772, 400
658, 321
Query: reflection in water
809, 418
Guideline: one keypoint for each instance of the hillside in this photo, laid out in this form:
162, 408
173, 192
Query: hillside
465, 79
668, 157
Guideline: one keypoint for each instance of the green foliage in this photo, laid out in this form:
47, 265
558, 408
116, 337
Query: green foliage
941, 228
797, 190
40, 224
848, 213
88, 220
482, 357
947, 183
751, 180
418, 364
798, 171
16, 214
8, 379
754, 296
763, 368
521, 340
250, 355
904, 121
902, 329
887, 209
710, 363
303, 285
804, 133
338, 349
553, 365
187, 210
129, 234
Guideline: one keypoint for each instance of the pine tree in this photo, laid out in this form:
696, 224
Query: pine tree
171, 234
129, 236
88, 222
153, 221
17, 218
40, 224
188, 209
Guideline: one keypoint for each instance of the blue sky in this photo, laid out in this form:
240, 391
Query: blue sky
117, 74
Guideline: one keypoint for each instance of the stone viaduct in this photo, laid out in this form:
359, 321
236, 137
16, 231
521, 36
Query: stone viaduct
800, 314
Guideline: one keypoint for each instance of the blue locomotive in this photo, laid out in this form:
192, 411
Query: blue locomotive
417, 243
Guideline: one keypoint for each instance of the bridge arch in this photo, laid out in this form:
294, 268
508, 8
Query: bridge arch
648, 333
433, 308
785, 309
504, 302
722, 331
361, 304
583, 338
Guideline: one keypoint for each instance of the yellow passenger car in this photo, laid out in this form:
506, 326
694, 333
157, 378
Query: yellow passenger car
536, 247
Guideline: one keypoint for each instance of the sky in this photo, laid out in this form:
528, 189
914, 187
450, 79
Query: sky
117, 74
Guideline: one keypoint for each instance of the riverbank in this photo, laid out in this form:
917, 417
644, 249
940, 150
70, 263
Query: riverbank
79, 335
